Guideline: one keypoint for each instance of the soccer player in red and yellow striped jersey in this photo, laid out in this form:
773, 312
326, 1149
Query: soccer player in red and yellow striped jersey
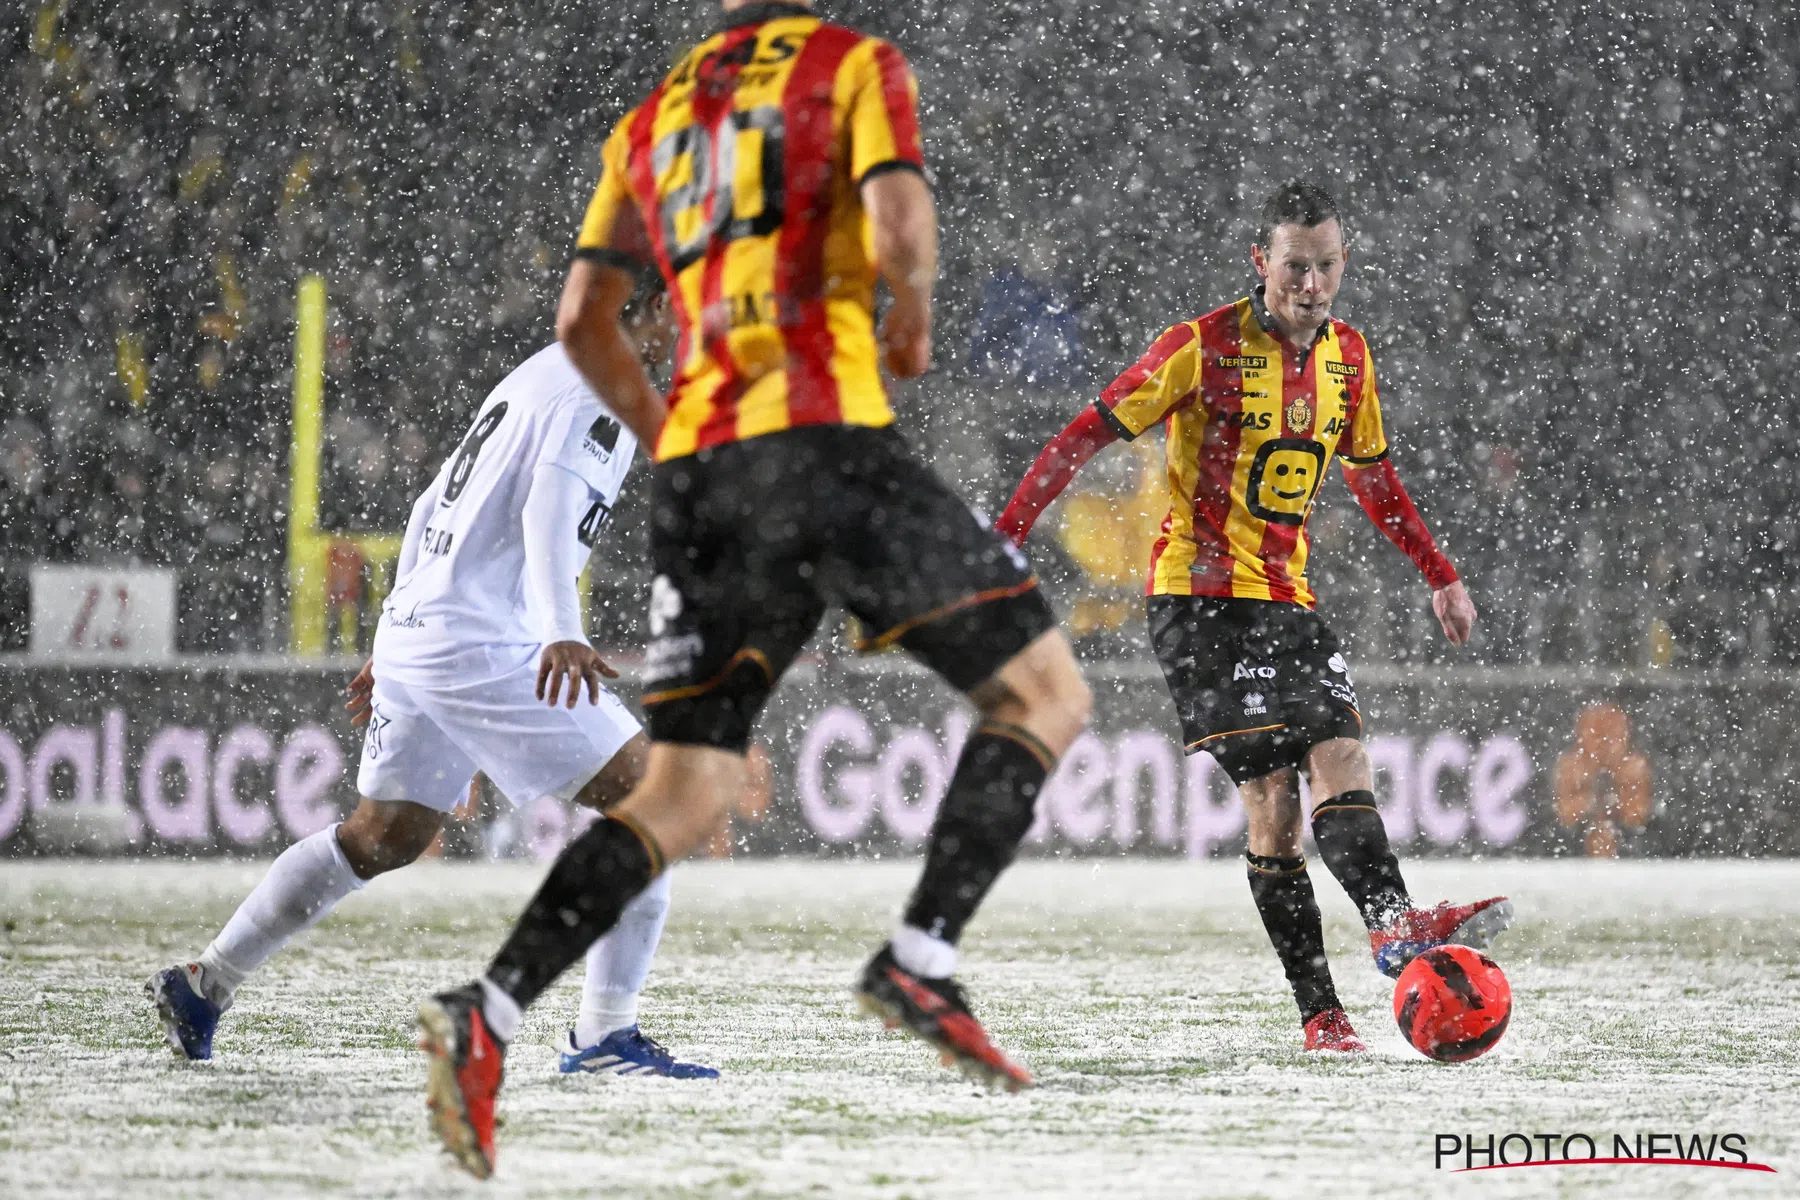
731, 181
1256, 399
1250, 427
770, 178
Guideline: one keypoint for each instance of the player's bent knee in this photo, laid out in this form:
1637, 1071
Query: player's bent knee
1272, 817
686, 791
382, 836
1057, 700
620, 774
1338, 765
1041, 689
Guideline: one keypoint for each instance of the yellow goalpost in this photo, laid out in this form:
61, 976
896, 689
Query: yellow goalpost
309, 547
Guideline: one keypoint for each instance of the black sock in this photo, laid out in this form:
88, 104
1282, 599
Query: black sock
1284, 896
589, 885
976, 835
1354, 844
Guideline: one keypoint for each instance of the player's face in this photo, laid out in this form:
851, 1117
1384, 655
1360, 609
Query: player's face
1301, 267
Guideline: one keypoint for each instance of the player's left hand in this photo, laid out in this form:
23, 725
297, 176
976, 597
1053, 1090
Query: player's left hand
575, 662
361, 692
1455, 612
906, 338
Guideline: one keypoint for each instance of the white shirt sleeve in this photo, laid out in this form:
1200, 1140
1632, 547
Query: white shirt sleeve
588, 441
554, 555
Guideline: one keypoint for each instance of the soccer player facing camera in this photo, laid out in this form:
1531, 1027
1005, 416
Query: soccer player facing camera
1256, 399
771, 177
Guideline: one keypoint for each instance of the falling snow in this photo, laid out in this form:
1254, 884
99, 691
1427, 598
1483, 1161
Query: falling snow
1575, 231
1648, 997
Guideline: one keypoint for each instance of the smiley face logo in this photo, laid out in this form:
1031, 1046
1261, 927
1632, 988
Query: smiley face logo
1284, 478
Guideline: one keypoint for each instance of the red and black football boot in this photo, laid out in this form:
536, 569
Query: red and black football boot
1419, 929
935, 1010
1330, 1030
465, 1065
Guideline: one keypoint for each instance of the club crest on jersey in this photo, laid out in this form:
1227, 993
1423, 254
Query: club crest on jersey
602, 437
665, 604
1299, 415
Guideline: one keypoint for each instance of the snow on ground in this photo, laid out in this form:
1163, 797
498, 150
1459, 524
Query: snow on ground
1650, 997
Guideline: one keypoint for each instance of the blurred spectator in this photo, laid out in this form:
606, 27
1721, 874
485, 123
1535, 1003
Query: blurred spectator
32, 523
1602, 784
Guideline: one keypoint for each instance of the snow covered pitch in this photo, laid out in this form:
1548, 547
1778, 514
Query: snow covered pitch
1650, 998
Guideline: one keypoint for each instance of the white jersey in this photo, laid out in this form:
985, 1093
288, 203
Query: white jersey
487, 573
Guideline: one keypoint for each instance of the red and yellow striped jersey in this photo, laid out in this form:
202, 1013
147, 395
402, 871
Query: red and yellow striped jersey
738, 179
1250, 427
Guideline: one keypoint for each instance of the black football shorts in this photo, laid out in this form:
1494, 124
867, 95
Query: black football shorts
752, 540
1256, 683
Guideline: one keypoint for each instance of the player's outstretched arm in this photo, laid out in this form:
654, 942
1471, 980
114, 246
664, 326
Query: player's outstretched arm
589, 324
1056, 465
1383, 497
903, 220
553, 562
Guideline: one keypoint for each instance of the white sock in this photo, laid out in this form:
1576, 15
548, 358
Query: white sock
923, 954
304, 884
501, 1012
618, 964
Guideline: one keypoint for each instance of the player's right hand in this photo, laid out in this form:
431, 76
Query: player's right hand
575, 662
361, 692
1455, 612
906, 339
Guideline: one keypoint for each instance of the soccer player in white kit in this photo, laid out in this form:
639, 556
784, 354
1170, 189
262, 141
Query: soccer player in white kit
477, 643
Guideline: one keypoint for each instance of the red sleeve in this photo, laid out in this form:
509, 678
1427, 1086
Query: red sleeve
1084, 437
1378, 488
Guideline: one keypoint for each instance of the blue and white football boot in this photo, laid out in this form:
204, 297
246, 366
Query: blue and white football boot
187, 1013
628, 1052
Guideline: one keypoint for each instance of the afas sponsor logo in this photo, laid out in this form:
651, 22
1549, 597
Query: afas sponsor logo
1461, 1152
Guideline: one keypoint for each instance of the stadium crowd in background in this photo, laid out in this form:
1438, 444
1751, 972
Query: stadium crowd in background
1581, 261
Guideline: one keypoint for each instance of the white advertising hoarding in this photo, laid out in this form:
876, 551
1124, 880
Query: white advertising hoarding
99, 613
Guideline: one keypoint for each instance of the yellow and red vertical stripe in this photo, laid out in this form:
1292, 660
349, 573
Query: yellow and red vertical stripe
776, 318
1225, 388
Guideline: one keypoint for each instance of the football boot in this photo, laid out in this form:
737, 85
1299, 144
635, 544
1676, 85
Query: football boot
465, 1064
186, 1009
628, 1052
935, 1011
1330, 1030
1419, 929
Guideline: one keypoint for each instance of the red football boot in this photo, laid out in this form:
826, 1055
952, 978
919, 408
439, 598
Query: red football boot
1330, 1030
935, 1010
1419, 929
465, 1067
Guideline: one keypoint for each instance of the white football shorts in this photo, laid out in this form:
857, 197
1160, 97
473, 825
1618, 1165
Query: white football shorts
425, 744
